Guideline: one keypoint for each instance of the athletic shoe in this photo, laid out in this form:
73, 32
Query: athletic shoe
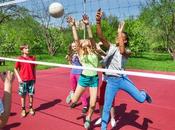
87, 124
113, 122
148, 98
23, 113
98, 122
73, 105
31, 112
69, 97
84, 110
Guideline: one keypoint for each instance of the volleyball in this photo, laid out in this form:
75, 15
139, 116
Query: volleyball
56, 10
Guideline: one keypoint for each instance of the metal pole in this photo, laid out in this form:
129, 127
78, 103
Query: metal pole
84, 14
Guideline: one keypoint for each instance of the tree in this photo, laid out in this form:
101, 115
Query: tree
160, 16
137, 40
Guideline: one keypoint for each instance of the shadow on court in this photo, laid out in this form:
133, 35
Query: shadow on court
124, 118
129, 118
13, 113
47, 105
10, 126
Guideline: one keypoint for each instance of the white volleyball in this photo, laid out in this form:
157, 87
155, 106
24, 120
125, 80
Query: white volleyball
56, 10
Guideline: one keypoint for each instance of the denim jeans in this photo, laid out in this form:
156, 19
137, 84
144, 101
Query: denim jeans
114, 84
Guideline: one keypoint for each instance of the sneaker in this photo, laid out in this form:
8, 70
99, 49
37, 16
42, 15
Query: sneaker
73, 105
69, 97
87, 124
84, 110
113, 122
98, 122
23, 113
31, 111
148, 98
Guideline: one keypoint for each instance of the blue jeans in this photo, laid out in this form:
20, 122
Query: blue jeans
114, 84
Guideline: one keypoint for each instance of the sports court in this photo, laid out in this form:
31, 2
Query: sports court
52, 113
47, 32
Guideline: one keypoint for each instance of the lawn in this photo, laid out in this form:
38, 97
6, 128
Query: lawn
148, 61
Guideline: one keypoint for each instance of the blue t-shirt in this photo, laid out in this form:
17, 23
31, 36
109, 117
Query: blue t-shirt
75, 61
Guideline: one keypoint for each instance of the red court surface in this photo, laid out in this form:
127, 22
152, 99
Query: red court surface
52, 113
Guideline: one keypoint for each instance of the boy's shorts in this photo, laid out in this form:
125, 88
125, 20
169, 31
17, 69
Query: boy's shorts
88, 81
1, 107
26, 87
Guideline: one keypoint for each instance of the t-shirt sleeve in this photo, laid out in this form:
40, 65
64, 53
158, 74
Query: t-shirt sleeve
17, 64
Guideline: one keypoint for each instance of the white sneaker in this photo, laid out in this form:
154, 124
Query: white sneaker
113, 122
69, 97
98, 122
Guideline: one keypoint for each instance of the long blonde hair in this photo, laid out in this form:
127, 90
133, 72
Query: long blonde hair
86, 47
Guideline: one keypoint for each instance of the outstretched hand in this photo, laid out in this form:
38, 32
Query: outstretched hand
7, 76
99, 15
85, 19
71, 20
98, 45
121, 27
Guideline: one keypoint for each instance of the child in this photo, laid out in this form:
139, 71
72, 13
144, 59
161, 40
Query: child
101, 103
102, 91
5, 105
115, 81
26, 75
89, 58
73, 59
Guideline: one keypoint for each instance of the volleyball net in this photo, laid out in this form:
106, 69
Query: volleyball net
38, 9
142, 74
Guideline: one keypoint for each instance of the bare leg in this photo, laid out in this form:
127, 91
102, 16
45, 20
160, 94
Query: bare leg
30, 100
23, 102
93, 98
31, 110
78, 92
112, 112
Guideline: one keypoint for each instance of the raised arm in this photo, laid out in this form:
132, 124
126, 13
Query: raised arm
71, 22
99, 15
8, 78
120, 38
123, 40
86, 22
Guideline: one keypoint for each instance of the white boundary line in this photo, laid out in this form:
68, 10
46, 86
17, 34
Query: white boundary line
11, 2
148, 75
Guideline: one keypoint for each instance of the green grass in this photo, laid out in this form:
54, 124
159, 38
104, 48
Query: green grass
45, 58
151, 64
155, 56
148, 61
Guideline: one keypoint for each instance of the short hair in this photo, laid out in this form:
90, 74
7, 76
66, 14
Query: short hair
23, 46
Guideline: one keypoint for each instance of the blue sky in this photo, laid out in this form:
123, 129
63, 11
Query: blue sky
120, 8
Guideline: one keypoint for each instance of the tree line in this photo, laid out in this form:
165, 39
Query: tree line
152, 31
